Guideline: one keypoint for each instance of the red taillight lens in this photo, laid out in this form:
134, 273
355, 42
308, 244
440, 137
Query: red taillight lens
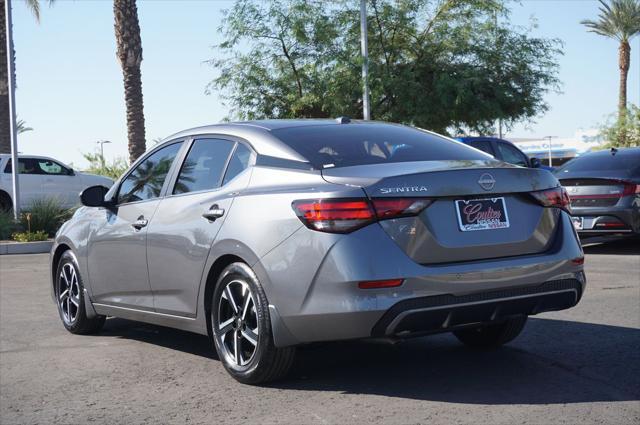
630, 189
393, 208
334, 215
556, 197
372, 284
347, 215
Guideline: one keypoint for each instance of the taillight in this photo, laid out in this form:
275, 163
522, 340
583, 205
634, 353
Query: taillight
334, 215
630, 189
393, 208
347, 215
556, 197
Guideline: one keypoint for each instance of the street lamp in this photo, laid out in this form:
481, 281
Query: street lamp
548, 139
13, 130
366, 108
101, 143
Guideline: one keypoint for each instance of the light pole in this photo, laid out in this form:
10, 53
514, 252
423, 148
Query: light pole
101, 143
366, 108
548, 139
12, 112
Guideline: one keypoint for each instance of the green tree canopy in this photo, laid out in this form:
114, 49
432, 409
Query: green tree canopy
437, 64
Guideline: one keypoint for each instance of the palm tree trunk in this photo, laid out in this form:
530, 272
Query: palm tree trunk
624, 58
5, 139
129, 45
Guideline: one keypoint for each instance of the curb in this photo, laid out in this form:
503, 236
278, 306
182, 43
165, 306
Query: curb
40, 247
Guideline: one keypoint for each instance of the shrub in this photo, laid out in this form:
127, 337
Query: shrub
98, 165
7, 224
40, 235
45, 214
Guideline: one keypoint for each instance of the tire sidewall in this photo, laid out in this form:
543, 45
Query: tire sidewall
68, 258
240, 271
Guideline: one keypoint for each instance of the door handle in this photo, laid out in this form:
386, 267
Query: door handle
140, 223
213, 213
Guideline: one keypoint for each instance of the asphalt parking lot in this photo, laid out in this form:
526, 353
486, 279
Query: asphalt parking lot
577, 366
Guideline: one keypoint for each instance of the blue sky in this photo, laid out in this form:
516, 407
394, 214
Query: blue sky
70, 83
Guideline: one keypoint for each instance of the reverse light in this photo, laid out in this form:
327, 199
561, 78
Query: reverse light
556, 198
373, 284
349, 214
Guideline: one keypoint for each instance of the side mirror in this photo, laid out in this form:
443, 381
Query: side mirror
71, 172
93, 196
535, 163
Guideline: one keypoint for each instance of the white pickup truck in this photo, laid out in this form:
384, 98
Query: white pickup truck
43, 177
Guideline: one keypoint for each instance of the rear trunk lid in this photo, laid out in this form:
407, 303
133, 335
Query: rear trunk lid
592, 192
444, 231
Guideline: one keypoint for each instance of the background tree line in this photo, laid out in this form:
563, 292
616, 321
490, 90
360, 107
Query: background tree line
439, 64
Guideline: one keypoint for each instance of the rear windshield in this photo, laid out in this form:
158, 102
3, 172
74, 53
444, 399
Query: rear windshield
622, 161
346, 145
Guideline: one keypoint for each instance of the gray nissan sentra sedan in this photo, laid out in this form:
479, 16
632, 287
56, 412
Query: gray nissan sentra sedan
266, 235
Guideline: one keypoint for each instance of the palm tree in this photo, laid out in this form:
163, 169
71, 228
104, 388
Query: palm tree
620, 20
129, 45
5, 140
21, 126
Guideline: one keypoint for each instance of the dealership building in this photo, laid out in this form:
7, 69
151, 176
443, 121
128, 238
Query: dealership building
561, 149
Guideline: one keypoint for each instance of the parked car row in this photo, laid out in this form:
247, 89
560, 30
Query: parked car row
41, 176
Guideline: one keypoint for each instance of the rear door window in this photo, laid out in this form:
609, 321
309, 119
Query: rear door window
512, 155
484, 146
204, 165
238, 162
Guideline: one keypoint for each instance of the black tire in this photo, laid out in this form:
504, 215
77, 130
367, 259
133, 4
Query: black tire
6, 204
247, 362
492, 336
67, 282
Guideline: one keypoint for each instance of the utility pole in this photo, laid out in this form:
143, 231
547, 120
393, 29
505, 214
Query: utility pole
548, 139
101, 143
12, 112
366, 108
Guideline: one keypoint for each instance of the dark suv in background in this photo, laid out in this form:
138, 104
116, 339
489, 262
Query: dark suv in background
604, 188
503, 150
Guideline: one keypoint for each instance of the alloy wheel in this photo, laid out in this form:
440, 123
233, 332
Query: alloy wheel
69, 293
236, 326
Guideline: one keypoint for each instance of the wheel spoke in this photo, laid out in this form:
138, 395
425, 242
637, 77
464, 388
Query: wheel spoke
68, 308
245, 307
63, 275
64, 294
231, 300
236, 349
75, 302
250, 336
226, 326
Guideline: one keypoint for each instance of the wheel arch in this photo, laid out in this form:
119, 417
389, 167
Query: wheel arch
212, 278
55, 260
4, 195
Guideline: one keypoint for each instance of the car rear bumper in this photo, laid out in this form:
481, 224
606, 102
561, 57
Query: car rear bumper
595, 220
435, 298
442, 313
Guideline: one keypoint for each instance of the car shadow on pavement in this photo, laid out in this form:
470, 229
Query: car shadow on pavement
552, 362
174, 339
611, 245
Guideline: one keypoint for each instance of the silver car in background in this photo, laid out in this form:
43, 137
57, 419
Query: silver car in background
270, 234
